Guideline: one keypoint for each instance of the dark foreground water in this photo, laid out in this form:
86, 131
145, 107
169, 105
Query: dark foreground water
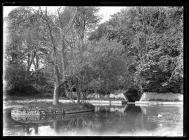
128, 120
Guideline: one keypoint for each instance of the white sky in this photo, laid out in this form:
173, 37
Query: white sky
105, 11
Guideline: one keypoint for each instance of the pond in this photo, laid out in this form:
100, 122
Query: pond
127, 120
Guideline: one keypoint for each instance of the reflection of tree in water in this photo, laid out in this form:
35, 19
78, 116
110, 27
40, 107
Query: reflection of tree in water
104, 109
30, 128
106, 119
132, 109
18, 126
137, 120
74, 122
166, 116
133, 118
60, 125
114, 120
123, 119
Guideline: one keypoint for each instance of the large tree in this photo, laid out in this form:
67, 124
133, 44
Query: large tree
152, 37
24, 47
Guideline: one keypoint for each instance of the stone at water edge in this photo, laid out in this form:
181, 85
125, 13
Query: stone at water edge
40, 115
37, 111
24, 111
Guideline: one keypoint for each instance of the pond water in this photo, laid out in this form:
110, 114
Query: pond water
127, 120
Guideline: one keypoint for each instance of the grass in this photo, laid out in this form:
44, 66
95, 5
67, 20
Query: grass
14, 98
43, 104
28, 97
165, 97
165, 100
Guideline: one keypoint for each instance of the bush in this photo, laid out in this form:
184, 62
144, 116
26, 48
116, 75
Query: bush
23, 91
132, 94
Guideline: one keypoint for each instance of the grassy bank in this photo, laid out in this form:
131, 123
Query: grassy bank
48, 108
12, 98
43, 104
163, 97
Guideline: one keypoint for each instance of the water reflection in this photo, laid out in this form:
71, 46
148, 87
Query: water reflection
106, 120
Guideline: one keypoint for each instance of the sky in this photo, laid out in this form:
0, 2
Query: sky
105, 11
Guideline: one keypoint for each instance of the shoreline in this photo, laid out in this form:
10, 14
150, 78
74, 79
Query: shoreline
149, 103
13, 103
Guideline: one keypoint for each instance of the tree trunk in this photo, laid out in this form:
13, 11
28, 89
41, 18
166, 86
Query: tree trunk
63, 59
36, 64
78, 93
36, 129
55, 126
182, 88
141, 90
81, 45
28, 63
56, 68
78, 97
56, 92
30, 60
56, 86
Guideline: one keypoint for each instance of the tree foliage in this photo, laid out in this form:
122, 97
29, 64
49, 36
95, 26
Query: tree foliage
152, 37
139, 47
